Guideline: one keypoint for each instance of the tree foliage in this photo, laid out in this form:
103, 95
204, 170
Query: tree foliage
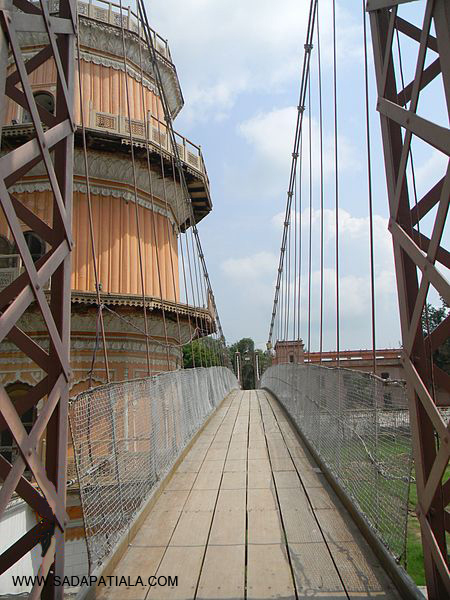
431, 318
205, 352
246, 348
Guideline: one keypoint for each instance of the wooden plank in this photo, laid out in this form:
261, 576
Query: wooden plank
314, 572
264, 527
173, 500
323, 498
189, 466
223, 583
282, 464
257, 480
231, 499
212, 466
268, 572
157, 529
137, 562
287, 479
293, 499
257, 443
237, 452
207, 481
361, 573
261, 499
181, 481
335, 527
235, 465
233, 480
260, 452
185, 562
259, 465
192, 528
300, 527
216, 454
201, 500
228, 527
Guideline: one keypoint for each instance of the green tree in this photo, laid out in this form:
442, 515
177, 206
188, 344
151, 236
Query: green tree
205, 352
431, 318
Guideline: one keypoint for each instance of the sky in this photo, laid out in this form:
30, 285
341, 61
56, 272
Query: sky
239, 64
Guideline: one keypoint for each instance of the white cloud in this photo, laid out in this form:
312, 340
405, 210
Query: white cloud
271, 136
250, 282
224, 48
251, 267
354, 279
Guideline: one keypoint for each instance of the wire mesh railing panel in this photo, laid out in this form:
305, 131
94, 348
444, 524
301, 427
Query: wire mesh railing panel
359, 426
127, 436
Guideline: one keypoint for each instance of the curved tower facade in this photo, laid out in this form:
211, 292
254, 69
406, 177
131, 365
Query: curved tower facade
133, 201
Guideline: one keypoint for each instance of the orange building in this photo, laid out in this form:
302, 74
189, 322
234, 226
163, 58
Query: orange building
113, 88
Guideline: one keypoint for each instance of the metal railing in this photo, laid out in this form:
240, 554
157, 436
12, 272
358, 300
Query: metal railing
156, 134
127, 436
359, 426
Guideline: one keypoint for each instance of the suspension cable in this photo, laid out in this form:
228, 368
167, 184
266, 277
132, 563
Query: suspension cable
319, 67
310, 219
369, 191
300, 111
336, 184
100, 320
136, 199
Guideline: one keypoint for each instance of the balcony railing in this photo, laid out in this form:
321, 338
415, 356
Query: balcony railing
10, 268
113, 14
156, 134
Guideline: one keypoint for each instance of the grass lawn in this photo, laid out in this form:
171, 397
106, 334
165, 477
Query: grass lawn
414, 553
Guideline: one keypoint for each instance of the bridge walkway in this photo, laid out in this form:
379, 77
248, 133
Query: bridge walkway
247, 514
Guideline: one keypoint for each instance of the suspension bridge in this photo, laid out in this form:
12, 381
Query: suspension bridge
125, 475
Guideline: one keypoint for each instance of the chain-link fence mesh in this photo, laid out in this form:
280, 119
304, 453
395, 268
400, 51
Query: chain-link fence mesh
127, 436
359, 426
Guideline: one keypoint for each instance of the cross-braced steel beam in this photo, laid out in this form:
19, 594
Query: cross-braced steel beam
52, 145
420, 261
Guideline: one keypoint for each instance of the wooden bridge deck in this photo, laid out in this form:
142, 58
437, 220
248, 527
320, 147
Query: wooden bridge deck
248, 515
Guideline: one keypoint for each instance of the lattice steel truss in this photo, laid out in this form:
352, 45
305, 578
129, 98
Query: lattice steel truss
420, 261
53, 145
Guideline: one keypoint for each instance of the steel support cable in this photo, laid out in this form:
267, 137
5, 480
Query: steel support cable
186, 240
369, 190
199, 296
288, 273
166, 206
300, 249
336, 184
146, 28
310, 219
183, 269
428, 352
90, 216
137, 328
204, 300
152, 209
319, 67
193, 292
136, 199
294, 328
300, 111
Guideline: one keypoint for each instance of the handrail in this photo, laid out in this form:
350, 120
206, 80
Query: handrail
190, 153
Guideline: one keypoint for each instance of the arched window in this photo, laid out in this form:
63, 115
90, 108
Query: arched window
36, 246
44, 99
